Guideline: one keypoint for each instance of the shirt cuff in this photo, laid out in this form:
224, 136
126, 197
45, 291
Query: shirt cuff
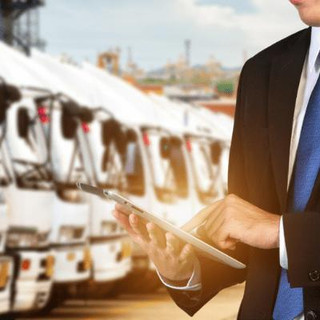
194, 283
282, 247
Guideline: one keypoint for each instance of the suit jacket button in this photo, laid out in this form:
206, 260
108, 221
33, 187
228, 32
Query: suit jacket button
314, 275
311, 315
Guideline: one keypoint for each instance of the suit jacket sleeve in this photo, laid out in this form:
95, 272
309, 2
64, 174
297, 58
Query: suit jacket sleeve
302, 237
216, 276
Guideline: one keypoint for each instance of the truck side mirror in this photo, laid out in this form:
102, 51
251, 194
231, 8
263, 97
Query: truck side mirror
215, 150
3, 109
108, 128
69, 124
23, 122
165, 147
111, 130
121, 140
85, 115
175, 141
12, 93
8, 95
131, 136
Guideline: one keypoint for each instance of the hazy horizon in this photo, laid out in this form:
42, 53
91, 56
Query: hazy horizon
156, 30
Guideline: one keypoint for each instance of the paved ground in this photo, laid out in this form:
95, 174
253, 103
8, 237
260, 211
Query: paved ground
144, 307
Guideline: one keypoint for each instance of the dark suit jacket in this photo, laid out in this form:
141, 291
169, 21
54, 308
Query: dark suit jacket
258, 172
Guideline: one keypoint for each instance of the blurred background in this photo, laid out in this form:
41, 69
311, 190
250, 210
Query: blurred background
137, 96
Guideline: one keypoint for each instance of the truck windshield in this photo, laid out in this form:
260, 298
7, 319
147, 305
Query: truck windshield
66, 161
179, 168
205, 172
133, 167
167, 165
5, 176
27, 149
107, 159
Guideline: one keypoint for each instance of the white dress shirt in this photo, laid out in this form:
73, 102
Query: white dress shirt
308, 79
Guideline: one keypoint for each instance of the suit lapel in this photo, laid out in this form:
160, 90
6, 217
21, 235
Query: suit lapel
283, 86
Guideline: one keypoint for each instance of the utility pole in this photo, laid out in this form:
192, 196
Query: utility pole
129, 55
130, 60
187, 44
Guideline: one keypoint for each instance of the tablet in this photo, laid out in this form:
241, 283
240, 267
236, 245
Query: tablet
200, 246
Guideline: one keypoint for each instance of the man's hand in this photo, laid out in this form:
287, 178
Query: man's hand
233, 220
173, 260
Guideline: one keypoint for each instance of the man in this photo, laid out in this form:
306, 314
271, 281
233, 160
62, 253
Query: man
274, 187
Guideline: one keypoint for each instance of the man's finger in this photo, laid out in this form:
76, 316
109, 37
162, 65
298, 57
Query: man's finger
233, 246
138, 226
200, 217
156, 235
124, 221
215, 222
186, 252
172, 243
122, 209
215, 214
223, 240
228, 244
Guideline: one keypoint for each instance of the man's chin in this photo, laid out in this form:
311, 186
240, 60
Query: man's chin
312, 20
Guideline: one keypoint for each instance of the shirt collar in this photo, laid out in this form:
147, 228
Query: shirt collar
313, 61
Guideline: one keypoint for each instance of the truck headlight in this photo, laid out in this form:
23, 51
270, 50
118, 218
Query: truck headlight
50, 261
126, 249
22, 238
4, 274
87, 259
69, 233
16, 239
108, 227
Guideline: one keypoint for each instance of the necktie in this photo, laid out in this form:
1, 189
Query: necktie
289, 303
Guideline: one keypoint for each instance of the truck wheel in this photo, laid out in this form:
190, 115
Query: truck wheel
95, 290
57, 298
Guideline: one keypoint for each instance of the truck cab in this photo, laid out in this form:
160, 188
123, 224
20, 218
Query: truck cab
203, 145
8, 94
102, 143
69, 233
109, 246
154, 163
30, 202
205, 155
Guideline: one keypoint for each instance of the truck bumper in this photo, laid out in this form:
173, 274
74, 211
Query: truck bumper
72, 264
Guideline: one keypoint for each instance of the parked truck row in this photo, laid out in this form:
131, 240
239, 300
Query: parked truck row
62, 123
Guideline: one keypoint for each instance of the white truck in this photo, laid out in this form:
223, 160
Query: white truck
205, 142
110, 250
8, 94
29, 197
156, 177
69, 233
224, 124
102, 142
67, 225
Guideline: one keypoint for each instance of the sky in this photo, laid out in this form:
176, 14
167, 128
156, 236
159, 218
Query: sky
156, 29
